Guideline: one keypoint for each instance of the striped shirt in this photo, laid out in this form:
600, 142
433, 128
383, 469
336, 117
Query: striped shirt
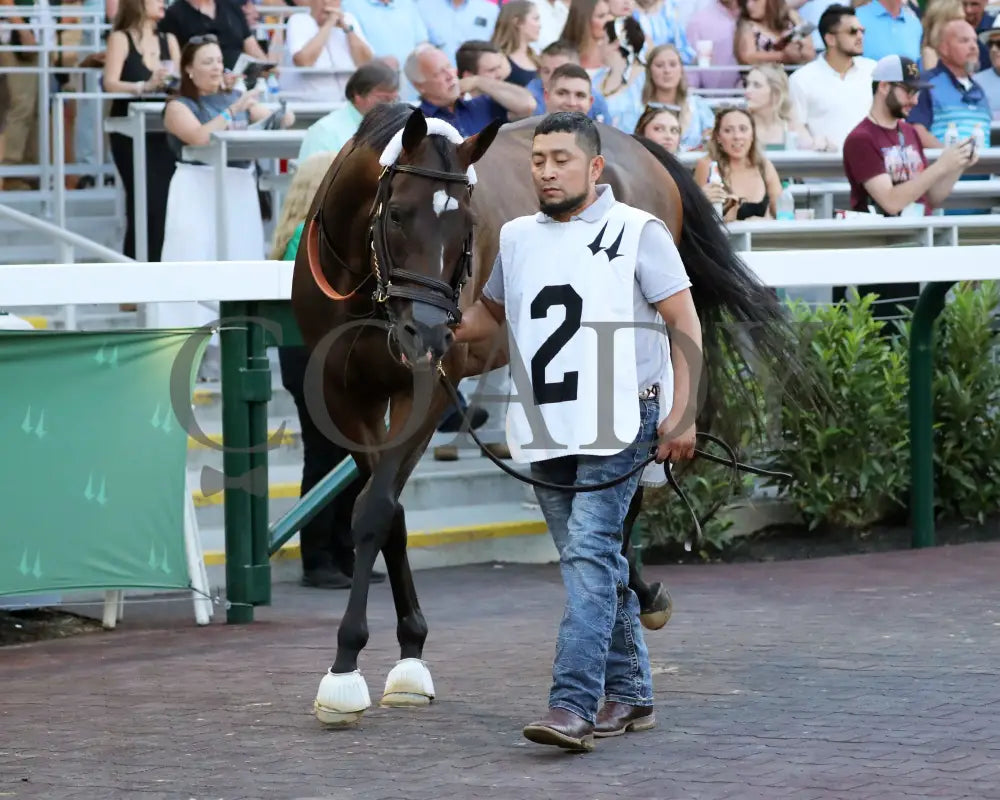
949, 101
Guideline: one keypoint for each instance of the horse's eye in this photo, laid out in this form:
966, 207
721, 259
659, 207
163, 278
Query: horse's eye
395, 217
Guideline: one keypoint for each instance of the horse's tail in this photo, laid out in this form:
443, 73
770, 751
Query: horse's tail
735, 308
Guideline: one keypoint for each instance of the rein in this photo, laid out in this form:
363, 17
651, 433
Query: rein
736, 465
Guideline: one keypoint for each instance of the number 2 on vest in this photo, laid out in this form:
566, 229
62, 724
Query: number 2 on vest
565, 390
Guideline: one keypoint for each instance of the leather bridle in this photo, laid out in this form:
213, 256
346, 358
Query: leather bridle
388, 277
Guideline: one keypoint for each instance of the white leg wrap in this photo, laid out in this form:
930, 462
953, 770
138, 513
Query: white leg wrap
408, 684
341, 699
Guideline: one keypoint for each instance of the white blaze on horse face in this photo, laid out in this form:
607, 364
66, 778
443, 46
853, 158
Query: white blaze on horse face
444, 202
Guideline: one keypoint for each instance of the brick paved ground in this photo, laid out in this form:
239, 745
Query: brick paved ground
857, 677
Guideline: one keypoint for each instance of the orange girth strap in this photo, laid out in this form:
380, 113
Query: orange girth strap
312, 254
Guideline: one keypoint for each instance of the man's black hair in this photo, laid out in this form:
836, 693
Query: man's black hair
830, 19
576, 123
371, 76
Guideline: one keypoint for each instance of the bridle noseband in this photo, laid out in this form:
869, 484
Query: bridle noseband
428, 290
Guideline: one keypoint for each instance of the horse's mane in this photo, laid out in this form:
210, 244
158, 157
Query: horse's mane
382, 122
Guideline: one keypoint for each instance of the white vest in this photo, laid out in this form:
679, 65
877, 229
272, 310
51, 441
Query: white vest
560, 277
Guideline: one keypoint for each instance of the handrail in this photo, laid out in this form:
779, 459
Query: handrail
68, 237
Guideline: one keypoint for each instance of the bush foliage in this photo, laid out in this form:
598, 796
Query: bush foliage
848, 456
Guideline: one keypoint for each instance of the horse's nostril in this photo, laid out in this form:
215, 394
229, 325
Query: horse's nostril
449, 337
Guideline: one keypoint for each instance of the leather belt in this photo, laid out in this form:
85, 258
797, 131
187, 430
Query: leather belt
650, 392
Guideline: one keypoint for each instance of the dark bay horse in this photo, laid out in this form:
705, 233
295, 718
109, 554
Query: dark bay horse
389, 260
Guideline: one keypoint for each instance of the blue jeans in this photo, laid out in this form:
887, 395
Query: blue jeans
600, 650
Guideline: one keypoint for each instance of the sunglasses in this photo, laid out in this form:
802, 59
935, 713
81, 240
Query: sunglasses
994, 44
663, 107
206, 38
854, 30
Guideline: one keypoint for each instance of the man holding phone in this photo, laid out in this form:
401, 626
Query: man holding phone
885, 163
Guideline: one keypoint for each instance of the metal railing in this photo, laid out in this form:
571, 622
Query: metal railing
69, 242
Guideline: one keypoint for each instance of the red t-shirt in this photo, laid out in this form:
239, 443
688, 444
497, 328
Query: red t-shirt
871, 150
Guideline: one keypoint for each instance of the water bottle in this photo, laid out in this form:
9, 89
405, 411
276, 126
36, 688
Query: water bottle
951, 135
978, 137
272, 90
714, 176
786, 202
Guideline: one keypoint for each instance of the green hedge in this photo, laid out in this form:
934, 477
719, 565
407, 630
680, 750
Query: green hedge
849, 456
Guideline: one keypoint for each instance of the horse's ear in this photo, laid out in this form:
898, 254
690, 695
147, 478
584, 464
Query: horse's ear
415, 131
475, 147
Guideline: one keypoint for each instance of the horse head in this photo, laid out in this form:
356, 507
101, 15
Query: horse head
422, 233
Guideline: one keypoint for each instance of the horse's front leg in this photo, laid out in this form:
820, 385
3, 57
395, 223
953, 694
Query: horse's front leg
409, 682
343, 694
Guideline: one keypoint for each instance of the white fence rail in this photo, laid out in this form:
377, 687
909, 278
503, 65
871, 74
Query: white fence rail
65, 284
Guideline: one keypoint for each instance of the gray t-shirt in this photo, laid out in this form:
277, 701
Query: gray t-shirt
659, 274
208, 108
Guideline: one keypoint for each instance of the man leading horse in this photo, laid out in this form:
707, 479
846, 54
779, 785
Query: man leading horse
390, 263
609, 267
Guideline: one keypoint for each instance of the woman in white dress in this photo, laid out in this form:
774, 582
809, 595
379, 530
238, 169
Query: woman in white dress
201, 107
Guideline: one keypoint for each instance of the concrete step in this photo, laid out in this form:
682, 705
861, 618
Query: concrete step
435, 487
480, 534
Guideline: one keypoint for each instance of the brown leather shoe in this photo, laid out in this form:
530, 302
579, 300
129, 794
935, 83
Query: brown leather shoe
564, 729
614, 719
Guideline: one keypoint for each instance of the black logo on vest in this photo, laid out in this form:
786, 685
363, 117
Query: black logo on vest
611, 252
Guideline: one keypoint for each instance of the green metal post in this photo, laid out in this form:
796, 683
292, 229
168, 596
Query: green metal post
236, 435
257, 392
929, 306
312, 503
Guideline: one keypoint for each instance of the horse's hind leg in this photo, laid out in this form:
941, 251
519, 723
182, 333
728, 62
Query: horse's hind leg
409, 683
655, 606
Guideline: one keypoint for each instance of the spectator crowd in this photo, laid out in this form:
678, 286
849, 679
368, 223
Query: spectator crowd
734, 79
877, 81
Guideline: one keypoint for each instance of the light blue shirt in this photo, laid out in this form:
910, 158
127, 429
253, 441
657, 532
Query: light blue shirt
330, 132
664, 27
449, 26
990, 81
392, 29
886, 35
625, 105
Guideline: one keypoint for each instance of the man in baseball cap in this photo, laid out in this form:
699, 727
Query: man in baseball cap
886, 167
901, 70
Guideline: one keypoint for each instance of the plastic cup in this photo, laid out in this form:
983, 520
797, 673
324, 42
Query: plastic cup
703, 48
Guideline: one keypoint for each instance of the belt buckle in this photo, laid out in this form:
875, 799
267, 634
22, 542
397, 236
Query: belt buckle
650, 392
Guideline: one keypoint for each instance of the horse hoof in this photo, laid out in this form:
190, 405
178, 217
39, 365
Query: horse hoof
658, 613
408, 684
341, 698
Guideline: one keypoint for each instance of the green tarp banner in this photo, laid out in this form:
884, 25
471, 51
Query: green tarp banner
92, 473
